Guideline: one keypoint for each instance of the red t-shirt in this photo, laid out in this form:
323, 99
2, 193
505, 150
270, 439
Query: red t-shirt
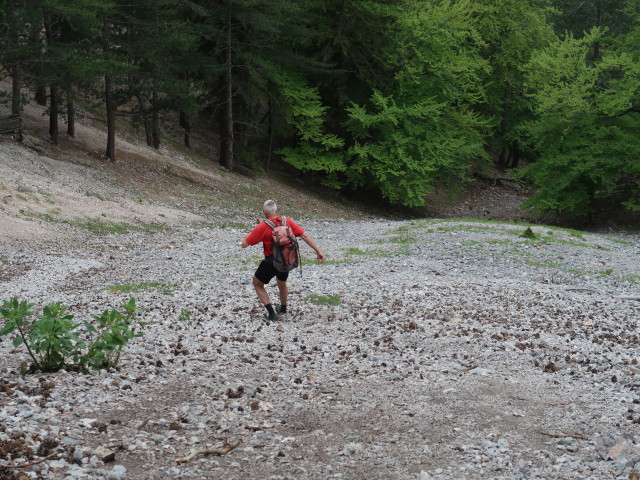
262, 233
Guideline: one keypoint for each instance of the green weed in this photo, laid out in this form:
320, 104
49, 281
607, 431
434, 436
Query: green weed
185, 317
355, 251
333, 300
100, 227
631, 278
235, 225
142, 287
53, 340
528, 233
94, 194
622, 242
547, 264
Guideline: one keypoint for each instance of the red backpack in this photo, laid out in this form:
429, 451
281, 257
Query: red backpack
286, 254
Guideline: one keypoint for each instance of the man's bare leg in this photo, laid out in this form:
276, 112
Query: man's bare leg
261, 291
283, 292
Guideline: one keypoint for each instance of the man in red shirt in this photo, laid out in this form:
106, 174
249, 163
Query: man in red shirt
266, 271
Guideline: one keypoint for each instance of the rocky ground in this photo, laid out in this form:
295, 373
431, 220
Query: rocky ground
422, 349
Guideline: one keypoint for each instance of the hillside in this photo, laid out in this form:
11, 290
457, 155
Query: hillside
44, 187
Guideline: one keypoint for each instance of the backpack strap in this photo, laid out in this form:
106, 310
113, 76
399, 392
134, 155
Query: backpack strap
283, 222
270, 223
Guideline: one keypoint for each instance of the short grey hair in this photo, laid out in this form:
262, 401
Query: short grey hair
270, 207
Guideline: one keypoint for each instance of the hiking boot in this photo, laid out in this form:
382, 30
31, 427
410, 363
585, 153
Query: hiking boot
279, 310
272, 317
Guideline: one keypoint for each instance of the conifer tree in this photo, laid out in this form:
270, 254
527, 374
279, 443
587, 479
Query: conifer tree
511, 31
419, 130
587, 117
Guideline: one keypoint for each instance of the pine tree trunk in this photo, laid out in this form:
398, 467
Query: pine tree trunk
222, 133
185, 123
142, 109
147, 129
270, 130
229, 99
16, 89
155, 122
111, 119
504, 147
71, 118
16, 71
41, 96
53, 114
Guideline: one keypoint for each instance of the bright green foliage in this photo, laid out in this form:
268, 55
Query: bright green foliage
406, 150
53, 341
114, 330
14, 312
511, 31
422, 132
587, 124
50, 340
317, 150
333, 300
53, 337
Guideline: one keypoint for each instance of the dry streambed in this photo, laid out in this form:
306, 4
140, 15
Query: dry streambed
421, 350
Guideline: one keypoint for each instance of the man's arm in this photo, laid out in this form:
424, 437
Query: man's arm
254, 237
312, 244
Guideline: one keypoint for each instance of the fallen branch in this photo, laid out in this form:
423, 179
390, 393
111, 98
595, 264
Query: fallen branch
628, 297
35, 462
208, 451
579, 436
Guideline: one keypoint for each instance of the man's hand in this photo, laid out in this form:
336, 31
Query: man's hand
244, 244
320, 257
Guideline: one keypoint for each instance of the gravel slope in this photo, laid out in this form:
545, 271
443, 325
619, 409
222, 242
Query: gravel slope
457, 350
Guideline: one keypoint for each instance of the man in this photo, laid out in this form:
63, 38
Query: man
266, 271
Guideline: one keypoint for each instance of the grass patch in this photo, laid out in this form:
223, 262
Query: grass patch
400, 235
203, 224
377, 252
423, 223
631, 278
355, 251
152, 228
142, 287
235, 225
621, 242
100, 227
333, 300
548, 264
574, 271
94, 194
573, 244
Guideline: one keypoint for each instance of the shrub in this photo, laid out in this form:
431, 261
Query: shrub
53, 341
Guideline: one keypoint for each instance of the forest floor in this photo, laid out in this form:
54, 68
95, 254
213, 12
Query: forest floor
425, 348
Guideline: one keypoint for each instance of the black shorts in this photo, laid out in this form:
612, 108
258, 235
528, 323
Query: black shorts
266, 271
